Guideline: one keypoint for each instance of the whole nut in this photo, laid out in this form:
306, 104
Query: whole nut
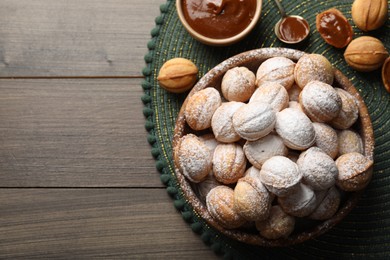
365, 54
369, 14
177, 75
386, 74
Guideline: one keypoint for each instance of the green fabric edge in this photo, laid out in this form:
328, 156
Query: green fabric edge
221, 245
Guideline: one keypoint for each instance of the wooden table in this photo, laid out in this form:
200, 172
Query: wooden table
76, 174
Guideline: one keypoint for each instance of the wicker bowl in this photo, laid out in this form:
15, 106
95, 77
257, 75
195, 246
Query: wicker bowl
252, 59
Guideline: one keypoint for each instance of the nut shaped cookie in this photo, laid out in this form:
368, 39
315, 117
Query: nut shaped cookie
319, 169
251, 199
349, 141
220, 204
278, 225
349, 111
328, 205
300, 203
238, 84
222, 122
295, 128
326, 139
264, 148
320, 101
229, 163
254, 120
355, 171
201, 107
313, 67
280, 175
194, 158
276, 69
203, 188
272, 93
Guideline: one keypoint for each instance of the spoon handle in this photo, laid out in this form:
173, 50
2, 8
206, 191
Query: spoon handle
281, 9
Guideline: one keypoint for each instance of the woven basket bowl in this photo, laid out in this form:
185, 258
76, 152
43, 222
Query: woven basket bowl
252, 59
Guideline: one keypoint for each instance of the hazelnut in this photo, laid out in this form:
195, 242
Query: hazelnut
386, 74
260, 150
349, 111
272, 93
334, 28
365, 54
277, 225
355, 171
251, 199
254, 120
318, 169
194, 158
220, 205
320, 101
200, 108
300, 203
313, 67
369, 14
229, 163
177, 75
295, 128
276, 69
222, 122
238, 84
280, 175
349, 142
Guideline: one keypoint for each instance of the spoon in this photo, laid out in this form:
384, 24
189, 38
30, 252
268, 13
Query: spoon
291, 29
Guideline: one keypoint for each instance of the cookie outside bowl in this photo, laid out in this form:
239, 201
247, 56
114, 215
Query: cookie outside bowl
252, 60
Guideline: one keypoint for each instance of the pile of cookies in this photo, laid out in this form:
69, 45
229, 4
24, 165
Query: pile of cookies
271, 146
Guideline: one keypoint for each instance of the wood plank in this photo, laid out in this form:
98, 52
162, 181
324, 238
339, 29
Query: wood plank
74, 133
90, 223
75, 38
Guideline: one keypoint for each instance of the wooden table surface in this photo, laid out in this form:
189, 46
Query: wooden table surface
76, 174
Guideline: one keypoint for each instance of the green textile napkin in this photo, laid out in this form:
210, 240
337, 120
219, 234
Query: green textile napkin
365, 232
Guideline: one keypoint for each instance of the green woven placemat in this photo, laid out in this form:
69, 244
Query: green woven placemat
366, 230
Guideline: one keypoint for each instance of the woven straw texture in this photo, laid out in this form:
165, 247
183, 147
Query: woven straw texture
365, 233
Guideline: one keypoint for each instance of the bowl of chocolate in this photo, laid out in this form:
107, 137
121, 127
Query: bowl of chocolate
273, 147
219, 22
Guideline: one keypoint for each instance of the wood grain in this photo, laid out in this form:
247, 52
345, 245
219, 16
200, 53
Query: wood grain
74, 133
90, 223
77, 180
75, 38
